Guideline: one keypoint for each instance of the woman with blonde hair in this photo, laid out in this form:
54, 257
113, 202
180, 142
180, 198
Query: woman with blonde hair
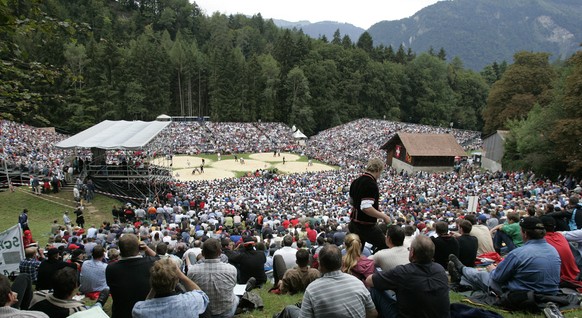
354, 262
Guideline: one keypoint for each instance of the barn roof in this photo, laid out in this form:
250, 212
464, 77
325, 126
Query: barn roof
427, 145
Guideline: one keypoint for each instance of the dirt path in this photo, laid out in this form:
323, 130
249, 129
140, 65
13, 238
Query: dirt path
227, 168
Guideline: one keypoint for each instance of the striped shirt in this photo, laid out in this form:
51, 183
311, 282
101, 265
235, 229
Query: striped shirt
337, 295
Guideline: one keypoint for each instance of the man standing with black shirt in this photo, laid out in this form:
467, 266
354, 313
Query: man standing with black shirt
364, 197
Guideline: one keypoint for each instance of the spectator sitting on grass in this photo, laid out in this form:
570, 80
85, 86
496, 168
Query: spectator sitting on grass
60, 303
162, 300
9, 298
298, 278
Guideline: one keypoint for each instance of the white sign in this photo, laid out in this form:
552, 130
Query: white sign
11, 250
472, 204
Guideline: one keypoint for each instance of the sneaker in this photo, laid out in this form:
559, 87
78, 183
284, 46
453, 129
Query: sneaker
456, 263
552, 311
251, 284
103, 296
458, 288
455, 275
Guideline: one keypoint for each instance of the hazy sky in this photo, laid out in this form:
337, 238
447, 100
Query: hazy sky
361, 13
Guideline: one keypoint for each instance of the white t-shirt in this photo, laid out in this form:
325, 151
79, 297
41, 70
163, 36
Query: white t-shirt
289, 255
389, 258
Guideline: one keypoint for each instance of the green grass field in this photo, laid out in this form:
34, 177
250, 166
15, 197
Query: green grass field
44, 209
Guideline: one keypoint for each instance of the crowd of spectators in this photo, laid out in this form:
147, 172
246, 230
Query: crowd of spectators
353, 143
31, 150
256, 219
250, 228
280, 134
333, 146
225, 137
183, 138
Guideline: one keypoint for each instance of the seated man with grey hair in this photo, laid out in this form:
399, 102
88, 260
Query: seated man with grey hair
193, 252
129, 278
421, 287
284, 259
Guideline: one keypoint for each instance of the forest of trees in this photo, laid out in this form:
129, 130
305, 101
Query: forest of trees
71, 64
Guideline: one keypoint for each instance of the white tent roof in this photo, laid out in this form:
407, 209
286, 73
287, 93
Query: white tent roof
120, 134
164, 117
299, 135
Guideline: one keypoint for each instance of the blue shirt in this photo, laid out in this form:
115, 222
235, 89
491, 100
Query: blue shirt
189, 304
92, 278
534, 266
30, 266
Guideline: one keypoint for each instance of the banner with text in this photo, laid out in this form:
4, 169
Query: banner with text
11, 249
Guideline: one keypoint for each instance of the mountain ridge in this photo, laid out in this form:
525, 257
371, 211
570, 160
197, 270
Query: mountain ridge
327, 28
484, 31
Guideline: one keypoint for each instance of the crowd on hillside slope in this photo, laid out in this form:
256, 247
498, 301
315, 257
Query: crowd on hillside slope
251, 217
33, 150
357, 141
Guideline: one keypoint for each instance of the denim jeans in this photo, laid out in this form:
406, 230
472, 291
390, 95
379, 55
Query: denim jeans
385, 303
479, 279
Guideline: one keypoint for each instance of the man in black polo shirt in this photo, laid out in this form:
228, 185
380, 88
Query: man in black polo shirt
364, 197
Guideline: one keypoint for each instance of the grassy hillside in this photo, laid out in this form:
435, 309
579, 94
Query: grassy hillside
43, 209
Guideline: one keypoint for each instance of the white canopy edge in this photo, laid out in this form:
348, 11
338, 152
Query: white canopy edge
299, 135
120, 134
